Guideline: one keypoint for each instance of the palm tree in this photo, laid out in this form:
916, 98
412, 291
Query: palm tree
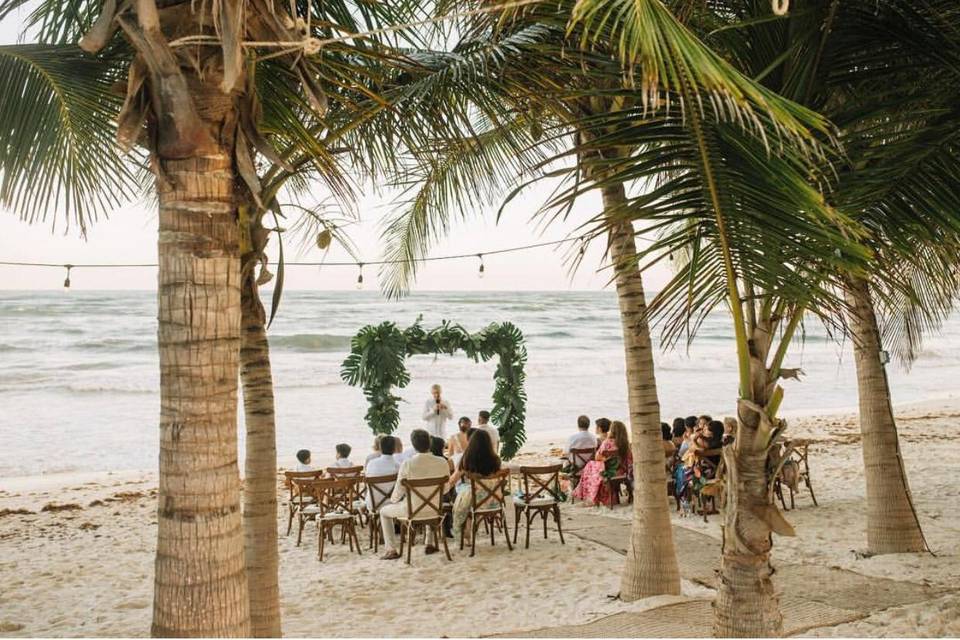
197, 111
886, 76
543, 73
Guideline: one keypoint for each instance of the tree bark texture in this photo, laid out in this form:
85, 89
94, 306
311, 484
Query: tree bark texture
892, 524
651, 567
260, 467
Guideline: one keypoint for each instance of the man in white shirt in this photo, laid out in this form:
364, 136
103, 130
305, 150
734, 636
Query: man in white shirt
383, 464
582, 439
436, 412
483, 422
422, 465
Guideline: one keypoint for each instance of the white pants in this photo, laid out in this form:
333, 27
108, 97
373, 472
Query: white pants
388, 516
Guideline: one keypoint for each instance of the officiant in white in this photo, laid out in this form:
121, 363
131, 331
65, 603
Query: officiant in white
436, 412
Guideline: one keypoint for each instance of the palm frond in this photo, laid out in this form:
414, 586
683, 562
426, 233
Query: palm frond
57, 149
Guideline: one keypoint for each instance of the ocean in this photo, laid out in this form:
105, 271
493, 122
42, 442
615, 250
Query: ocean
79, 375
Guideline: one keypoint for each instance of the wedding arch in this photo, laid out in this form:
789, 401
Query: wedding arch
377, 363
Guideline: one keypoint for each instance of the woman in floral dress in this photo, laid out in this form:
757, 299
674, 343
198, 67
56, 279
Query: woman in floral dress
593, 485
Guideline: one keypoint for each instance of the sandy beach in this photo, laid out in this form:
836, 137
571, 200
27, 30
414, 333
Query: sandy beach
76, 555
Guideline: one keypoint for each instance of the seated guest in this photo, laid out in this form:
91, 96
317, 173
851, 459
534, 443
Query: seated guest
593, 485
376, 449
405, 453
703, 421
603, 428
420, 466
304, 461
666, 434
483, 422
343, 456
457, 443
383, 464
714, 439
479, 458
437, 449
582, 439
679, 428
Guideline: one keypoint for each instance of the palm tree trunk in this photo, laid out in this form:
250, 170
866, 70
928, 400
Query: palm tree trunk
260, 466
651, 567
747, 604
892, 524
200, 586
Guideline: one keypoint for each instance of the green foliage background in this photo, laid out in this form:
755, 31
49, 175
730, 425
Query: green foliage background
377, 362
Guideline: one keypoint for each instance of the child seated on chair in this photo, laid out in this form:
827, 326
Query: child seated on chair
304, 461
343, 456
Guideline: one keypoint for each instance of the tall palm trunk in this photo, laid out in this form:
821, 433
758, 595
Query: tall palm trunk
200, 587
747, 604
651, 567
892, 525
260, 466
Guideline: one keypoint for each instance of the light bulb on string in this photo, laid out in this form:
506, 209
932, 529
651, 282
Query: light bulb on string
482, 267
66, 281
360, 277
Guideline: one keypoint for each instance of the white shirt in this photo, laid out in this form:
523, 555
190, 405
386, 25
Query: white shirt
381, 466
494, 435
421, 465
343, 463
581, 440
405, 455
434, 421
304, 467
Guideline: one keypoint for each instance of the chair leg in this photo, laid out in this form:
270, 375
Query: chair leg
353, 530
527, 513
321, 538
492, 529
556, 516
446, 547
810, 489
506, 532
473, 538
300, 529
516, 523
543, 514
289, 519
410, 534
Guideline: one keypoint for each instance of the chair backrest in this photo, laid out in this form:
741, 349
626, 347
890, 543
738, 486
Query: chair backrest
488, 491
293, 478
541, 480
424, 497
580, 457
335, 494
379, 489
345, 472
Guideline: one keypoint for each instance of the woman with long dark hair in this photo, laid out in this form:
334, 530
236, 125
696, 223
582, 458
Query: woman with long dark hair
478, 458
614, 452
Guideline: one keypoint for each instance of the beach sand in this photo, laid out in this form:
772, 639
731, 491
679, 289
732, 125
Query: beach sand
76, 555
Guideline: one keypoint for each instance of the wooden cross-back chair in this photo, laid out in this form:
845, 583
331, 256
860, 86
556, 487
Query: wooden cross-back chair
577, 461
424, 512
487, 505
333, 508
337, 473
796, 452
615, 482
379, 489
295, 498
541, 496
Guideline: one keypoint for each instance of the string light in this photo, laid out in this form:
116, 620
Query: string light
482, 269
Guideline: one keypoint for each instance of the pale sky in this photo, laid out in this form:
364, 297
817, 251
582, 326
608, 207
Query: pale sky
130, 233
